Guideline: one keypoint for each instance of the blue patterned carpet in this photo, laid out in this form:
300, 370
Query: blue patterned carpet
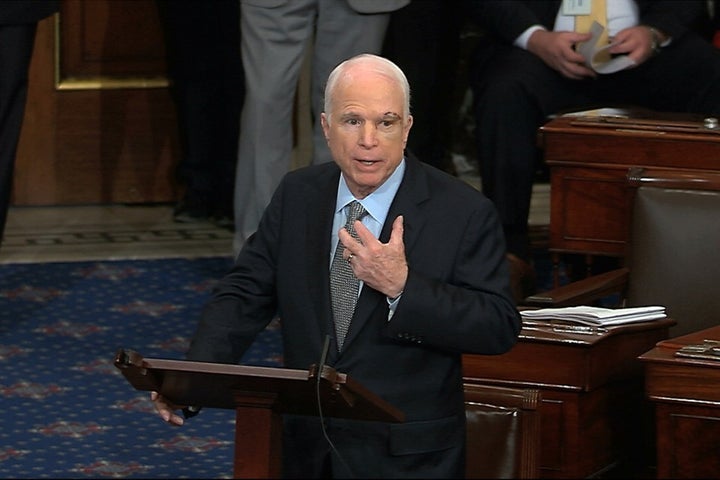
67, 412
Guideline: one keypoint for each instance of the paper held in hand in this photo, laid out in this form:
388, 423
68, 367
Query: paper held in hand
596, 316
594, 57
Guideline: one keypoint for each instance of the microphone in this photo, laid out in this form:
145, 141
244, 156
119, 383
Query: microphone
321, 364
318, 379
319, 367
324, 354
318, 372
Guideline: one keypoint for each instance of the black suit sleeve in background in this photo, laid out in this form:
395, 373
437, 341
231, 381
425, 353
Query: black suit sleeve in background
18, 24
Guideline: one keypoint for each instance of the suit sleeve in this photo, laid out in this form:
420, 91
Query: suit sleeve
506, 19
674, 18
244, 301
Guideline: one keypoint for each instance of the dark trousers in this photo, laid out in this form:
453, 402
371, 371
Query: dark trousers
423, 39
207, 82
16, 46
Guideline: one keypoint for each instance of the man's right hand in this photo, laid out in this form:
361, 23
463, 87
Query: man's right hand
557, 50
166, 409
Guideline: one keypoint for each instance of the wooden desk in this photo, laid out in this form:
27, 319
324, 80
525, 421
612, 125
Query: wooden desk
593, 412
595, 163
686, 396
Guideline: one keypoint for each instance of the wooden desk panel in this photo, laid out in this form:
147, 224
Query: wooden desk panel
597, 223
595, 164
686, 395
688, 441
593, 412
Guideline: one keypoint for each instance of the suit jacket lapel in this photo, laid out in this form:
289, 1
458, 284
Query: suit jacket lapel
320, 203
412, 193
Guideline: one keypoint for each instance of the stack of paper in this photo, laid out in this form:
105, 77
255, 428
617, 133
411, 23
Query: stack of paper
596, 316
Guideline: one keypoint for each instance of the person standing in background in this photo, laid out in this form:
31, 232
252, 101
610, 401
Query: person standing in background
276, 35
202, 40
423, 39
18, 25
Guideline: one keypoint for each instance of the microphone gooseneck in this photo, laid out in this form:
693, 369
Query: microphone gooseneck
318, 379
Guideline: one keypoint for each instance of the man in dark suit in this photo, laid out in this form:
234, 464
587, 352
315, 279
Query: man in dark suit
527, 69
202, 41
423, 38
435, 284
18, 23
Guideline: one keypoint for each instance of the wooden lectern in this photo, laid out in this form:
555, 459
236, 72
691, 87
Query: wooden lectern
259, 396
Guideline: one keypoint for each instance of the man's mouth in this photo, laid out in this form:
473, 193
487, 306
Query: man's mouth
366, 162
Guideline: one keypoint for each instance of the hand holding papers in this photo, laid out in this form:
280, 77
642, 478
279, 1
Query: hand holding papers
595, 316
596, 56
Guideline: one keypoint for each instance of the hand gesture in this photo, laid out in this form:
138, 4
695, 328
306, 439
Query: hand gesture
381, 266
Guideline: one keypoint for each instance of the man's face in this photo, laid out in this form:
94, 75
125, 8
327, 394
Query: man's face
367, 132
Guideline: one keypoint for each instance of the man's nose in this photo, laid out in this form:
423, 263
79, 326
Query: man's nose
368, 136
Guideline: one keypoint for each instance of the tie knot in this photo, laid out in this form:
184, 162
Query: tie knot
356, 211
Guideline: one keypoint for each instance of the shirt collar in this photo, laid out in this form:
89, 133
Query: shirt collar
378, 202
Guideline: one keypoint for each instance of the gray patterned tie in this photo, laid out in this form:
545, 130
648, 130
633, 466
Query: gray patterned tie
343, 283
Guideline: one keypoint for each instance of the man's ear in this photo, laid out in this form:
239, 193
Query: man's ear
325, 126
408, 126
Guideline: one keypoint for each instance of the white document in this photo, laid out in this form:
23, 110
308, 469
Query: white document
600, 112
596, 316
590, 51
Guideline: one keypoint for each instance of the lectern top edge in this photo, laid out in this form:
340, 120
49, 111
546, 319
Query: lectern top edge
124, 358
216, 385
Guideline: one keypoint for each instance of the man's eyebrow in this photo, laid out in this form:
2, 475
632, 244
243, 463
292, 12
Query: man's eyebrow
389, 115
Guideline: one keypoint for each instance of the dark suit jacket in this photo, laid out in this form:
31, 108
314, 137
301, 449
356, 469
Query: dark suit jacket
508, 19
16, 12
456, 300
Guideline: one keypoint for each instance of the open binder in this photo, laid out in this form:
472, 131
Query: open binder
259, 395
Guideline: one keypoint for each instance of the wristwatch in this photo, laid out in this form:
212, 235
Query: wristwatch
655, 46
